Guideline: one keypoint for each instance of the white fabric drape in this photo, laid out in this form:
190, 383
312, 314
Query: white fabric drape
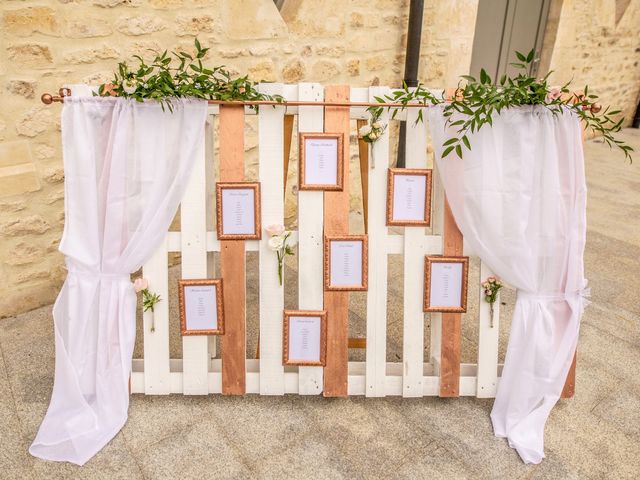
519, 198
127, 165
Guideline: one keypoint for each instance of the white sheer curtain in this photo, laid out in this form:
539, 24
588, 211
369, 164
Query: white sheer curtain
519, 198
126, 165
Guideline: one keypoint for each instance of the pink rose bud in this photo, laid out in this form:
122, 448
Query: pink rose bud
275, 229
553, 93
596, 107
140, 284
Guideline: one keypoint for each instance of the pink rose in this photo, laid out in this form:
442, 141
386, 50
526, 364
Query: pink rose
553, 93
274, 229
140, 284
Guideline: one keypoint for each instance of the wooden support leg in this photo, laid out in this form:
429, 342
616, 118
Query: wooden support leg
451, 322
363, 153
570, 385
336, 222
232, 258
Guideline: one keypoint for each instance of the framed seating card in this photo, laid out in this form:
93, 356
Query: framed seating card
201, 307
345, 262
305, 337
409, 197
321, 161
238, 211
445, 284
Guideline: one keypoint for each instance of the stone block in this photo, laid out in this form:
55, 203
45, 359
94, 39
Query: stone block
31, 225
324, 70
23, 88
139, 25
91, 55
195, 25
23, 254
30, 54
35, 121
27, 21
262, 71
87, 27
293, 72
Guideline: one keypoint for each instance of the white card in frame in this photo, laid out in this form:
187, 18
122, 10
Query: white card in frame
445, 284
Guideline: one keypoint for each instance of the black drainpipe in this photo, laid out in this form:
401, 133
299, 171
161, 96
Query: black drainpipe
411, 63
636, 119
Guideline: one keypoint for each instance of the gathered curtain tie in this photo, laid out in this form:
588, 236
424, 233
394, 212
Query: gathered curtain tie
585, 293
97, 273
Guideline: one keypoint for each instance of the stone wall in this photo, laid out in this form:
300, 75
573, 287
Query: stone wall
46, 43
598, 44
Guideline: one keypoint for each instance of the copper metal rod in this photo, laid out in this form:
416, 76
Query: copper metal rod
48, 99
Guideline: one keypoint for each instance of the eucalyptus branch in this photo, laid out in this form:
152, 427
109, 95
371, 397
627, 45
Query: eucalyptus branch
180, 74
476, 101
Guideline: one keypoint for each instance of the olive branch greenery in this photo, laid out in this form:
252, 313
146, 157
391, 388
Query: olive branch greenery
475, 101
180, 74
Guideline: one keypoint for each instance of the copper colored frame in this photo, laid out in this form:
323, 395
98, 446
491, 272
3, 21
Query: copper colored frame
256, 210
327, 262
428, 260
302, 185
323, 336
219, 306
427, 173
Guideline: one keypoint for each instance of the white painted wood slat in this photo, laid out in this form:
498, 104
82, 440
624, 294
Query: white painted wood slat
156, 343
413, 324
487, 341
194, 265
310, 227
376, 352
271, 141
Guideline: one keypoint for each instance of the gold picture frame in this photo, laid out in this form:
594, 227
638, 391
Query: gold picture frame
322, 314
217, 282
429, 261
302, 169
391, 175
255, 186
327, 262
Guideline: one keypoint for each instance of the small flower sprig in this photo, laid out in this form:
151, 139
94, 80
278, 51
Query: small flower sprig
374, 129
491, 287
149, 299
278, 243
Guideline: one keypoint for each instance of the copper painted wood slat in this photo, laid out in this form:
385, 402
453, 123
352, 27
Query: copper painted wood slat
451, 322
336, 222
288, 135
232, 258
363, 153
357, 342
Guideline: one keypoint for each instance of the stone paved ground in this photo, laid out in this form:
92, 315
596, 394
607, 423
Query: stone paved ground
595, 435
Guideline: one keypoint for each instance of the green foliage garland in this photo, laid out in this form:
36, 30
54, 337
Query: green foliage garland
477, 100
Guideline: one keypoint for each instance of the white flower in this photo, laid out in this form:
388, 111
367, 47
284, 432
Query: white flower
275, 229
486, 285
377, 125
364, 130
373, 136
129, 86
276, 243
488, 293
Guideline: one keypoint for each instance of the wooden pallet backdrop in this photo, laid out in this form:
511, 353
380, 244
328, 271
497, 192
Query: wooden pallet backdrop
200, 373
